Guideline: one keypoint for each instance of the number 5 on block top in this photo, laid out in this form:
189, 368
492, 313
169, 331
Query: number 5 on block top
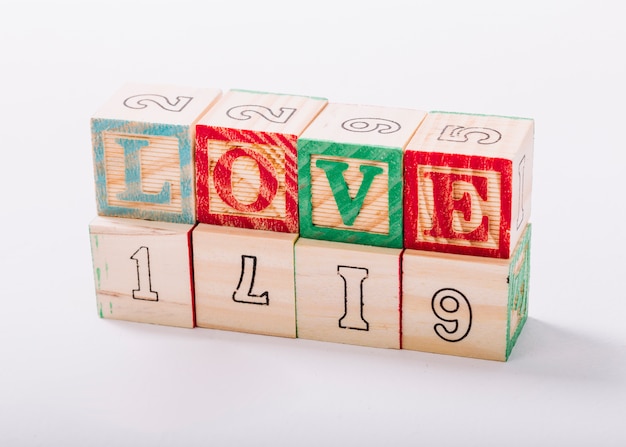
143, 143
246, 160
468, 184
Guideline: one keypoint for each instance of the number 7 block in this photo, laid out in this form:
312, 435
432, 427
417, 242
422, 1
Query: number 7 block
467, 184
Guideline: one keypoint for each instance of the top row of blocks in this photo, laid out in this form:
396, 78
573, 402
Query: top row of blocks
448, 182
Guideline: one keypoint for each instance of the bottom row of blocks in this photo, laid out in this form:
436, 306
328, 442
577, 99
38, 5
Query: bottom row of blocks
279, 284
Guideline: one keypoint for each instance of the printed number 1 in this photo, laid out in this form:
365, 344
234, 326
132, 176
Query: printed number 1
144, 284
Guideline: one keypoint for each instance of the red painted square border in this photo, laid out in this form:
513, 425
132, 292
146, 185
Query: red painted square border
203, 212
414, 159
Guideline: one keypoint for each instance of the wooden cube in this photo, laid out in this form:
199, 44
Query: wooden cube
142, 270
465, 305
247, 162
468, 184
143, 146
348, 293
244, 280
350, 174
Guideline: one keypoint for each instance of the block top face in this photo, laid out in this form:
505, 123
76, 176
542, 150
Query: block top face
365, 125
482, 135
163, 104
263, 112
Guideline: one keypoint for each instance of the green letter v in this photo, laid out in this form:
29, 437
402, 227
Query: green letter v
348, 208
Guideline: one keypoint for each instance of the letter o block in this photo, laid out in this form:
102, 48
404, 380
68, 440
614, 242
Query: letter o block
143, 143
246, 160
467, 184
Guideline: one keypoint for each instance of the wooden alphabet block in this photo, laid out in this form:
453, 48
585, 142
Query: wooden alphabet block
465, 305
247, 162
244, 280
348, 293
143, 145
350, 174
142, 270
468, 184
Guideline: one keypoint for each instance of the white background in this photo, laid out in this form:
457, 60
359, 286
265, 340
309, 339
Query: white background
68, 378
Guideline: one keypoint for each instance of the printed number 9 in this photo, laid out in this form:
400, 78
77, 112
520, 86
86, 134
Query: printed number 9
452, 306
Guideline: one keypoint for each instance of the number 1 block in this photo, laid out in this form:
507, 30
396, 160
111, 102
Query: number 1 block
247, 162
143, 143
468, 184
142, 271
465, 305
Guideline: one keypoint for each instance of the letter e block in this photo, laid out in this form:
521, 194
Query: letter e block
468, 184
350, 174
244, 280
348, 293
247, 162
465, 305
143, 146
142, 270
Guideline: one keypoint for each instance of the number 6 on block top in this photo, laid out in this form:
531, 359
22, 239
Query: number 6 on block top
143, 143
246, 162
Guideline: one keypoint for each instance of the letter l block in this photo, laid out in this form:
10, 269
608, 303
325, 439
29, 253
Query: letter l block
143, 148
244, 280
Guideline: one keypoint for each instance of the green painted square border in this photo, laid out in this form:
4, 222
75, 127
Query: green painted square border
523, 248
393, 156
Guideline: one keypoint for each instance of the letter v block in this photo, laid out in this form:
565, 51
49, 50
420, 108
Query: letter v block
142, 270
247, 161
244, 280
350, 174
143, 143
468, 184
347, 293
465, 305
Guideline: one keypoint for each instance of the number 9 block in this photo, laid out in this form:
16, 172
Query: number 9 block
467, 184
465, 305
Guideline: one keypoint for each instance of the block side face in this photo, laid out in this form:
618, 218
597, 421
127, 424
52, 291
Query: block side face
365, 125
165, 104
521, 199
466, 134
264, 112
142, 274
144, 171
244, 280
348, 296
458, 204
519, 278
246, 179
455, 305
350, 193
